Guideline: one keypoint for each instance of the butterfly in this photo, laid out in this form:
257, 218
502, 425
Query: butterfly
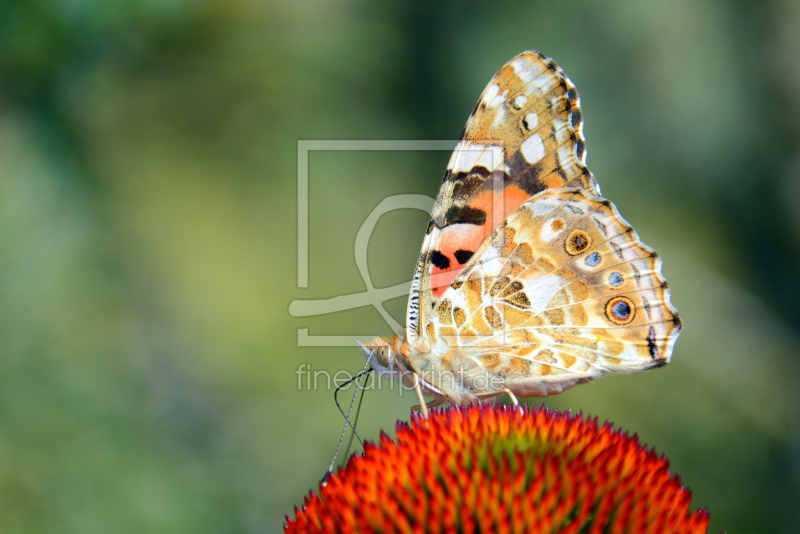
528, 281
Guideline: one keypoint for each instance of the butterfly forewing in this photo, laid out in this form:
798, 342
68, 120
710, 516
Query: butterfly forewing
523, 136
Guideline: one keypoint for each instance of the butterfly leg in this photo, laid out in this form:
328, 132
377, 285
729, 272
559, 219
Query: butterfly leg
429, 405
513, 397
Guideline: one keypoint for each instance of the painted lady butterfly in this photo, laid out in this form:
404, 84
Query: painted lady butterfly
528, 282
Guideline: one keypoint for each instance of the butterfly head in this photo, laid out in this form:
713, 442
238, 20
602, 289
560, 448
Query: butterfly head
390, 357
381, 356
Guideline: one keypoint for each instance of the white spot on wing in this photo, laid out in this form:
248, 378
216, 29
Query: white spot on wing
491, 263
532, 149
520, 101
542, 290
565, 155
458, 299
561, 130
526, 70
544, 83
491, 92
458, 232
493, 97
500, 117
549, 232
543, 205
530, 121
468, 155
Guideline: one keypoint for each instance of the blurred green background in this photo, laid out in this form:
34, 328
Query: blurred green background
148, 237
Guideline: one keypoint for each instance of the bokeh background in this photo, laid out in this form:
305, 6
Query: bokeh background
148, 237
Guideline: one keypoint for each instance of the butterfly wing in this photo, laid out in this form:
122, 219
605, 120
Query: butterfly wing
524, 136
561, 292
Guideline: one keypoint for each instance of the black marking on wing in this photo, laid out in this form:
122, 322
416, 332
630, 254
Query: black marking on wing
463, 256
467, 183
465, 215
440, 260
580, 147
572, 93
600, 226
636, 274
478, 170
526, 176
651, 342
646, 307
575, 116
618, 252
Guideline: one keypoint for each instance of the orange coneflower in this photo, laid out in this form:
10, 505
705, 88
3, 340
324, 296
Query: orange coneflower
495, 469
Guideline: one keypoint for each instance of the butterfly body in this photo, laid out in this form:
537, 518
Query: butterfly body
528, 282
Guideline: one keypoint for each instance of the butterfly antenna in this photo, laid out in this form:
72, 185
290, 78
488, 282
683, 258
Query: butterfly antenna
352, 401
346, 416
355, 419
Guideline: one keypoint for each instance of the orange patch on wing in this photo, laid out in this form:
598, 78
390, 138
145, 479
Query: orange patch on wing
455, 237
469, 237
499, 206
553, 181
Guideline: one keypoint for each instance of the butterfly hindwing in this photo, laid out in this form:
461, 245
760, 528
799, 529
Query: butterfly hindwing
562, 291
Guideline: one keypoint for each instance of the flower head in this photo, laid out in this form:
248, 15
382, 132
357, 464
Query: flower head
495, 469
